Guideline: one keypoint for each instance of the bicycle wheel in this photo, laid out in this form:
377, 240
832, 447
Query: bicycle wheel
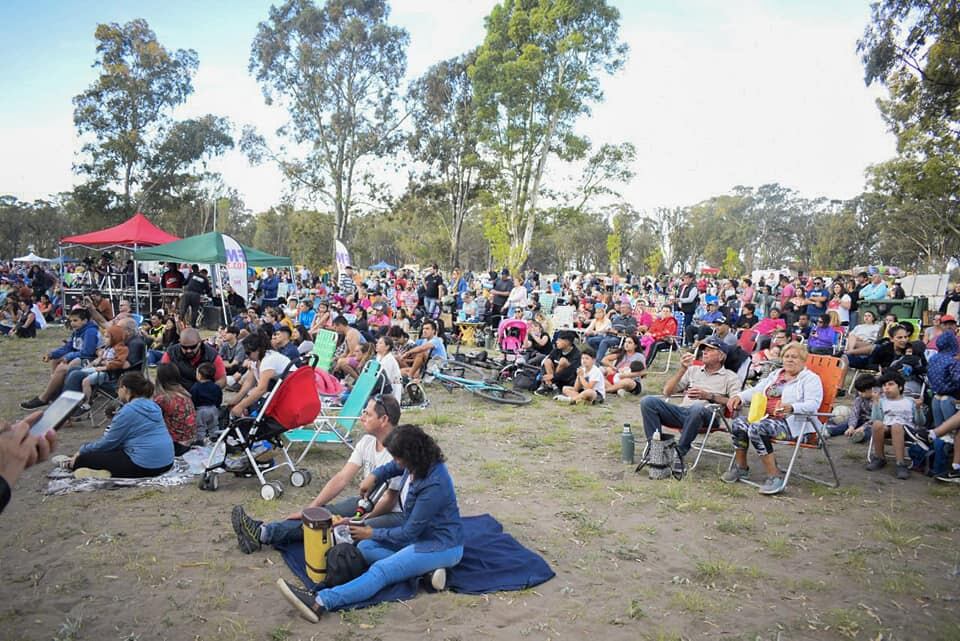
466, 371
499, 394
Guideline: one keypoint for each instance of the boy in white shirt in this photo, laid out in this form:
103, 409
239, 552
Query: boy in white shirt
590, 386
894, 414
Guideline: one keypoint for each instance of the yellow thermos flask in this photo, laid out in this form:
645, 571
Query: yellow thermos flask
317, 539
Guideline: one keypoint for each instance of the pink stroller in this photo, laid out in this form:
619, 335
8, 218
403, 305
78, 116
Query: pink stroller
511, 336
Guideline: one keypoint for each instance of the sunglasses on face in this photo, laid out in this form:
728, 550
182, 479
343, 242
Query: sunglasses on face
189, 348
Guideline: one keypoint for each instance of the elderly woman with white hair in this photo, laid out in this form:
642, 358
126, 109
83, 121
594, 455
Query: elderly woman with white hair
789, 391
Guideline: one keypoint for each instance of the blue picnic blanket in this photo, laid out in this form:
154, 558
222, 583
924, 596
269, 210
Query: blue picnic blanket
492, 561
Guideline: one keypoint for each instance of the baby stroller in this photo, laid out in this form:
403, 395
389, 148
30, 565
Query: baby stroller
293, 402
511, 335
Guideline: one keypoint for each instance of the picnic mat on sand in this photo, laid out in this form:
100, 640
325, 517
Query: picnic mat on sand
184, 471
493, 561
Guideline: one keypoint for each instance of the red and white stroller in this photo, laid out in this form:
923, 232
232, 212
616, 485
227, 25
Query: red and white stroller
292, 403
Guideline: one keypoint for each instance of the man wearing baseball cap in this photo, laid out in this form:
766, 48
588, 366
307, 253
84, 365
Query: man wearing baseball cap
705, 326
560, 365
709, 383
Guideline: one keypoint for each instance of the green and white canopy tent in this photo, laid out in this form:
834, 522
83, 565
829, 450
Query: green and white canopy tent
209, 249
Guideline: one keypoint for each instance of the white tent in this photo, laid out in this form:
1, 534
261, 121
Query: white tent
32, 258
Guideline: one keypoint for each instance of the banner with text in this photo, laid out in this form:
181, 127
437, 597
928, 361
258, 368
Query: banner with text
342, 256
236, 265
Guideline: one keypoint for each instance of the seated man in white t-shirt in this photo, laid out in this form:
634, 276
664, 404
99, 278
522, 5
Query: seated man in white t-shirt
590, 386
378, 419
428, 345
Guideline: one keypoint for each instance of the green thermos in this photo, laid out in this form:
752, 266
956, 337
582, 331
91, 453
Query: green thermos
626, 444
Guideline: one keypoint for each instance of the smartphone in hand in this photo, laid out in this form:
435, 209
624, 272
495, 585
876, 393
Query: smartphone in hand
57, 413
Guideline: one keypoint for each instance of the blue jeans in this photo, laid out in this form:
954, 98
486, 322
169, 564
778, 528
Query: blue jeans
74, 380
291, 530
602, 343
430, 304
154, 356
387, 567
657, 411
943, 408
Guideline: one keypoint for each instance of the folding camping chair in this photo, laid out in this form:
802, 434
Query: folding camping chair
336, 428
719, 422
562, 317
910, 436
747, 340
675, 341
105, 395
547, 301
830, 370
324, 346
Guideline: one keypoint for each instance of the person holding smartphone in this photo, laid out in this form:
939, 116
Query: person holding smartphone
20, 449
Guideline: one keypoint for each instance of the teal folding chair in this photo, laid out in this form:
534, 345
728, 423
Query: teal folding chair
337, 428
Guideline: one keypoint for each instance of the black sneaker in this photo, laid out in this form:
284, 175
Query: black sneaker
303, 600
246, 529
923, 435
679, 467
33, 403
950, 476
875, 464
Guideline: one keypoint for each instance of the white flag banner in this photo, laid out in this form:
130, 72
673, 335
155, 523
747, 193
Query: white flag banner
342, 256
236, 265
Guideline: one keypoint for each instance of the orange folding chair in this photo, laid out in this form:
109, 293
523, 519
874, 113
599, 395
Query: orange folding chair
830, 371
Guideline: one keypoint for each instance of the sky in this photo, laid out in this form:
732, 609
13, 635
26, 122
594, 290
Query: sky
715, 93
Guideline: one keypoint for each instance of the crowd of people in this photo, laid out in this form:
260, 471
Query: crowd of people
174, 390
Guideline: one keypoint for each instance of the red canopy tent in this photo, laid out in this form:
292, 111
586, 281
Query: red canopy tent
136, 232
133, 234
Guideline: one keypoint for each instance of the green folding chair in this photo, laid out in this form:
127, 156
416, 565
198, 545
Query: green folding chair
337, 428
324, 346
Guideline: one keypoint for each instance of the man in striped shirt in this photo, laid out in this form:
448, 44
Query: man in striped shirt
347, 286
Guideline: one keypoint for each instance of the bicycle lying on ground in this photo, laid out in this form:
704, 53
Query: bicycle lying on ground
453, 374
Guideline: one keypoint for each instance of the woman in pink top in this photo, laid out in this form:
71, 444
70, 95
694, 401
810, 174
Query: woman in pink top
770, 324
748, 292
644, 318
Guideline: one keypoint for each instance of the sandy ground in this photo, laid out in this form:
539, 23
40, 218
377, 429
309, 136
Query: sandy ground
635, 558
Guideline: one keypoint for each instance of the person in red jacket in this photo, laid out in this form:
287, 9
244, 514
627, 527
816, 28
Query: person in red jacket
661, 334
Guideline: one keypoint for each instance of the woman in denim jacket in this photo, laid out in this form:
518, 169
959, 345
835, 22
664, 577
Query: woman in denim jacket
791, 390
429, 540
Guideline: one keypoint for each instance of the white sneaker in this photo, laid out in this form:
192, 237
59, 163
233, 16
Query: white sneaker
560, 398
622, 393
61, 460
438, 579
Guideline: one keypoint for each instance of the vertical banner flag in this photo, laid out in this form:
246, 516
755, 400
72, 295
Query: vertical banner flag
236, 265
342, 256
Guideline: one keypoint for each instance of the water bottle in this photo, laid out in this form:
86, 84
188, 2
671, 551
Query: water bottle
627, 444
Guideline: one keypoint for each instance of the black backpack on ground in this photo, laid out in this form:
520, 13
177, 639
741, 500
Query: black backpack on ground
344, 564
526, 378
